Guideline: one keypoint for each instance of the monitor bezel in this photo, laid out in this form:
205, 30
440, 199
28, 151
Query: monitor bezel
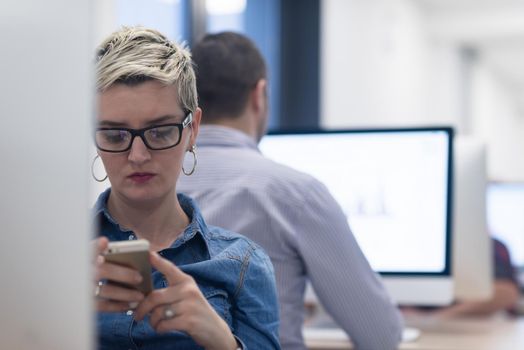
449, 131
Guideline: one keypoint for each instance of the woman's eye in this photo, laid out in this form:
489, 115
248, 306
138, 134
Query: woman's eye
115, 136
161, 133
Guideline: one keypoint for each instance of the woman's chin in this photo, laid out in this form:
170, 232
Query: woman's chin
143, 194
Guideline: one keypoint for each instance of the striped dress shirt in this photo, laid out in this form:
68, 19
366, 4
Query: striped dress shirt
303, 230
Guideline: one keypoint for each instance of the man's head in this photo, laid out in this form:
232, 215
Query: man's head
134, 55
231, 82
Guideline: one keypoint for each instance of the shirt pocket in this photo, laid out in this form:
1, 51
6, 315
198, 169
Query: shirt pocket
219, 300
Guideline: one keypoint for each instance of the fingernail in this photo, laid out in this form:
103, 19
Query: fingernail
138, 277
133, 305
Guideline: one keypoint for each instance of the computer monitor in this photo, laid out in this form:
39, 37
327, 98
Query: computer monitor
472, 247
395, 187
505, 203
46, 291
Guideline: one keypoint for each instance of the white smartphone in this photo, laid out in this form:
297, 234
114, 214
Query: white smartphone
133, 254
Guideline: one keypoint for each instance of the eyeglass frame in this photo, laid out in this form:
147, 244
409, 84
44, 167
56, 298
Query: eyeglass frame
141, 133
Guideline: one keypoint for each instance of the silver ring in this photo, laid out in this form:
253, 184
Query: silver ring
98, 289
168, 312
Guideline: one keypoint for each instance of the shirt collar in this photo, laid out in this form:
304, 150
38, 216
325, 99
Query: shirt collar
196, 225
222, 136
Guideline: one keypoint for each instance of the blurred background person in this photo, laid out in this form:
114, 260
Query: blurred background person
292, 215
505, 290
504, 299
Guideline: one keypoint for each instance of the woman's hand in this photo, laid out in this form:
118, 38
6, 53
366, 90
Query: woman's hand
111, 297
182, 307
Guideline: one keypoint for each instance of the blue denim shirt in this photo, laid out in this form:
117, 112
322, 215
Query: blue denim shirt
233, 273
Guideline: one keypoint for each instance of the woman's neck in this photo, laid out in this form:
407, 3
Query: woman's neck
160, 221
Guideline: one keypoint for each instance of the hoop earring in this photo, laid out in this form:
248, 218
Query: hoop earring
93, 170
193, 151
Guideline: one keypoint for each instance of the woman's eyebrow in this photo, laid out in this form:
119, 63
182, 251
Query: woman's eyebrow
111, 124
165, 118
159, 120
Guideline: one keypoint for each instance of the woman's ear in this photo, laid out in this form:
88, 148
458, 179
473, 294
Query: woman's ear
195, 124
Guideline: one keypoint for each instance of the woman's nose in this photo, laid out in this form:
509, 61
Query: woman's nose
139, 153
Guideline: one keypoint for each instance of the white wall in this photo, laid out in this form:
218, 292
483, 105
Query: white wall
498, 120
395, 63
105, 19
380, 68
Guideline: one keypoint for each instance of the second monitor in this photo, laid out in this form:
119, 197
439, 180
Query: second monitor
395, 186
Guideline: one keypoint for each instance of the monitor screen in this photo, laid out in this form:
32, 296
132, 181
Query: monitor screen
505, 206
393, 185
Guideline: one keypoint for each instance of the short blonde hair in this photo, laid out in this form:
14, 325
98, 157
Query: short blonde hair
134, 55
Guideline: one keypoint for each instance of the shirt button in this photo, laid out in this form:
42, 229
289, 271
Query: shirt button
131, 237
129, 312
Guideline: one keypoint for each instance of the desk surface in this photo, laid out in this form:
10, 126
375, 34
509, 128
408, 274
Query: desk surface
471, 334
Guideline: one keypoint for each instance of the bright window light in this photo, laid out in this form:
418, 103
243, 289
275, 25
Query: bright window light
225, 7
170, 2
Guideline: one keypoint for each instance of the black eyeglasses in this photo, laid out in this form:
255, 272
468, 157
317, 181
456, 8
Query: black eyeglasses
156, 137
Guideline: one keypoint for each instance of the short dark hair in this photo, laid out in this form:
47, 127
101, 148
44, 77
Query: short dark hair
228, 66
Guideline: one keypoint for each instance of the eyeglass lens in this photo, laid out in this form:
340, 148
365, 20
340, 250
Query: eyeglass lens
155, 138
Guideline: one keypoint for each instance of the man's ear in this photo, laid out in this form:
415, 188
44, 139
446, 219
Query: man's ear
260, 95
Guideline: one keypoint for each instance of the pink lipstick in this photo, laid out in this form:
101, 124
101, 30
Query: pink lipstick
141, 178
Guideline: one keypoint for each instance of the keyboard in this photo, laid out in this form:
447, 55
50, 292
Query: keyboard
409, 334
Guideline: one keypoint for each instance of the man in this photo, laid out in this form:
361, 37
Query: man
290, 214
505, 292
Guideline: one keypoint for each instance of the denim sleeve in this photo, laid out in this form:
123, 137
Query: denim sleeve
255, 312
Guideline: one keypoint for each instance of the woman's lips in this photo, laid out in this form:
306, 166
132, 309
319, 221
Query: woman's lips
141, 177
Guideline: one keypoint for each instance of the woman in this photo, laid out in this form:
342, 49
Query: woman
213, 289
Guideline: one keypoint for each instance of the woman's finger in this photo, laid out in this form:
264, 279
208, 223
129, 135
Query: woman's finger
98, 246
112, 306
155, 298
167, 311
118, 293
118, 273
172, 273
